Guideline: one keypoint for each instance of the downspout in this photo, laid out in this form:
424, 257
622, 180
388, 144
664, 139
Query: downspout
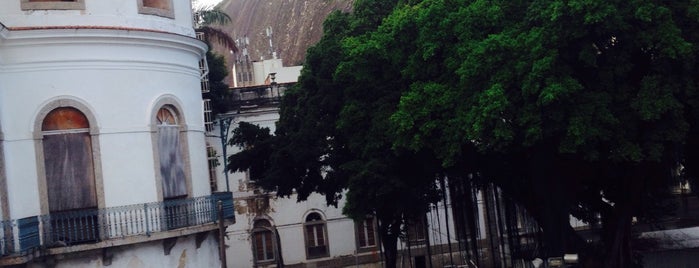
4, 201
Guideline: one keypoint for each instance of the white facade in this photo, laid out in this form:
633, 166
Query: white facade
118, 63
285, 215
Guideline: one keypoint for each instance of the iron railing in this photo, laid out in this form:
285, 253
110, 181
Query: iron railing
94, 225
6, 236
247, 98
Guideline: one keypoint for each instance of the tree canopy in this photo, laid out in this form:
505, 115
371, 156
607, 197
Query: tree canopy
581, 107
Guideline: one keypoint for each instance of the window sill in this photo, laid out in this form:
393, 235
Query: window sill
367, 249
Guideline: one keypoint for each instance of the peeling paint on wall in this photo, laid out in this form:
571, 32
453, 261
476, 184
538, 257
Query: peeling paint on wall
135, 262
183, 259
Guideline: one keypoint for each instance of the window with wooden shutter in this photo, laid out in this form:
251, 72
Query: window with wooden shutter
170, 154
68, 164
70, 178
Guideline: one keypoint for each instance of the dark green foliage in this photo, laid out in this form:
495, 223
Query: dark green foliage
563, 104
218, 89
333, 134
258, 148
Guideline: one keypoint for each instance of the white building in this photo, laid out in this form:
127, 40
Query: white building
272, 231
102, 140
279, 232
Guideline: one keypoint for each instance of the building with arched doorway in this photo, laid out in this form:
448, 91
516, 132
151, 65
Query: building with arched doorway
102, 148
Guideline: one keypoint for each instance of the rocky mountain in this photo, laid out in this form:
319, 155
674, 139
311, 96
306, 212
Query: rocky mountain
294, 25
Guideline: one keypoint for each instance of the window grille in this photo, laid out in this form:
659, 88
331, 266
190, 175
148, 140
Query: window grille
208, 116
213, 162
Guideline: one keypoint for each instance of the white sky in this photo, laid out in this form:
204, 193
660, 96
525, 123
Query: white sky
205, 3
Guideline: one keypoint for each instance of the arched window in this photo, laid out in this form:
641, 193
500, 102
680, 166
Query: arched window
70, 177
263, 241
172, 169
68, 162
315, 233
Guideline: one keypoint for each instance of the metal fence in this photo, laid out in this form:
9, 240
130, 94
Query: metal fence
6, 237
94, 225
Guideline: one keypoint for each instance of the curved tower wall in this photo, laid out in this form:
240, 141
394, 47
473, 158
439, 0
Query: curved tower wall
118, 65
127, 14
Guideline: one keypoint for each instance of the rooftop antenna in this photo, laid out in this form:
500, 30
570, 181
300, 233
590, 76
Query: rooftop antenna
271, 46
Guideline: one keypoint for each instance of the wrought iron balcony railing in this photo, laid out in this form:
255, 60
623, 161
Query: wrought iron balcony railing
22, 236
254, 97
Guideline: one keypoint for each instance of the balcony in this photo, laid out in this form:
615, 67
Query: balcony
72, 231
247, 99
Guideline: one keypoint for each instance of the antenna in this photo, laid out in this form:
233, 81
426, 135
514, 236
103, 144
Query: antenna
271, 46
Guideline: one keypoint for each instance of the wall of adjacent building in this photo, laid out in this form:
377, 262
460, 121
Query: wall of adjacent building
184, 253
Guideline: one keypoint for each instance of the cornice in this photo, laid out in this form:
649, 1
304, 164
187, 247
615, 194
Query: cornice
21, 36
111, 48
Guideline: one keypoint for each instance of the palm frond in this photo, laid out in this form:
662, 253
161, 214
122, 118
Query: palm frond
213, 17
221, 37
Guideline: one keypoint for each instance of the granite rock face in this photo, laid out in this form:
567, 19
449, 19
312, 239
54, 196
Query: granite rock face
295, 25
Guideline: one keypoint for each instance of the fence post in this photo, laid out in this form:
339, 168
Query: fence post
145, 215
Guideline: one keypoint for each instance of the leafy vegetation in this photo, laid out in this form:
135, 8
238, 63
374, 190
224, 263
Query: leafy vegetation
578, 107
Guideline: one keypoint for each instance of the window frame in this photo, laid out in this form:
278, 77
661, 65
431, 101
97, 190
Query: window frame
174, 105
416, 227
264, 230
357, 225
52, 5
38, 136
212, 163
167, 13
175, 124
322, 223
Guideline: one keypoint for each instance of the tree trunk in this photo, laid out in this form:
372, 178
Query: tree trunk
617, 227
389, 232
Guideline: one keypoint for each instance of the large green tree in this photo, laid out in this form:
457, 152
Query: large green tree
579, 107
572, 107
334, 138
